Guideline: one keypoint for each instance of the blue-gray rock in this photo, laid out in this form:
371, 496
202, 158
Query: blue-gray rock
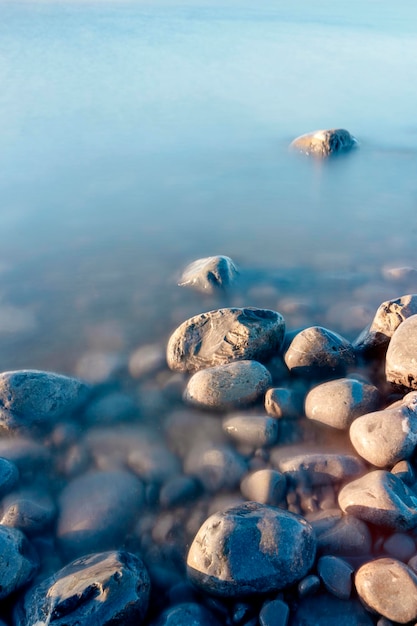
229, 386
346, 536
381, 498
30, 511
9, 475
338, 403
324, 143
401, 364
274, 613
111, 408
389, 588
400, 546
405, 471
224, 335
210, 274
18, 563
283, 402
325, 609
96, 511
251, 549
31, 399
107, 589
318, 468
179, 490
386, 437
28, 455
308, 586
254, 430
317, 352
336, 575
186, 614
216, 467
266, 486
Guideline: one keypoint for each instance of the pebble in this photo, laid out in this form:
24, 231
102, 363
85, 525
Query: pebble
255, 430
326, 610
374, 340
111, 408
283, 402
30, 511
336, 575
405, 471
31, 399
210, 274
178, 490
28, 455
109, 588
318, 352
381, 498
400, 364
216, 467
266, 486
346, 536
224, 335
251, 549
228, 386
337, 403
18, 561
324, 143
386, 437
389, 588
146, 360
318, 468
186, 614
274, 613
9, 476
308, 586
400, 546
90, 505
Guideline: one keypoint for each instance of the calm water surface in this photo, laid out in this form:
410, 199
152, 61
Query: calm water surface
137, 136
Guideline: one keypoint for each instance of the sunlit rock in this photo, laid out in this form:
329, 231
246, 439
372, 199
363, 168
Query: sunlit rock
323, 143
209, 274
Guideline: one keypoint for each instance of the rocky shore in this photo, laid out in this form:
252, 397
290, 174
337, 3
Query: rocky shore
242, 474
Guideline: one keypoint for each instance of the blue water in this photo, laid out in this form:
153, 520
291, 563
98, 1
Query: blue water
138, 136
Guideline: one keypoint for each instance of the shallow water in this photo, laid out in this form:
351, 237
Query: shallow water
137, 136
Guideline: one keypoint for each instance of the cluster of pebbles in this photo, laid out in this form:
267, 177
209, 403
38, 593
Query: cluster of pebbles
265, 478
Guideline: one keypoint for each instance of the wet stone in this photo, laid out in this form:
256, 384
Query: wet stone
319, 468
283, 402
324, 143
9, 476
374, 340
250, 549
178, 490
336, 575
274, 613
230, 386
389, 588
186, 614
28, 455
400, 546
405, 471
96, 511
216, 467
224, 335
386, 437
347, 536
318, 352
308, 586
254, 430
18, 562
401, 365
210, 274
111, 408
31, 399
325, 609
381, 498
30, 511
338, 403
109, 588
266, 486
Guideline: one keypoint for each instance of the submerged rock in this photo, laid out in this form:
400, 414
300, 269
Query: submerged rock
224, 335
109, 588
209, 274
251, 549
323, 143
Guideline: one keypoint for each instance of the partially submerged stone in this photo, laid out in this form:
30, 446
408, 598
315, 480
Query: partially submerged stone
319, 468
401, 362
323, 143
224, 335
254, 430
209, 274
251, 549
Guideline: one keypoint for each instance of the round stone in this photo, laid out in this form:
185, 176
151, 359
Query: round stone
325, 609
109, 588
401, 364
318, 352
18, 562
9, 475
254, 430
324, 143
400, 546
186, 614
318, 468
283, 402
347, 536
251, 549
336, 575
225, 335
274, 613
216, 467
389, 588
381, 498
210, 274
30, 399
386, 437
266, 486
338, 402
230, 386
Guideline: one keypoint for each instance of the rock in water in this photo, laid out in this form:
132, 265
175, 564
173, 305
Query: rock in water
401, 364
209, 274
108, 588
18, 562
251, 549
323, 143
32, 399
224, 335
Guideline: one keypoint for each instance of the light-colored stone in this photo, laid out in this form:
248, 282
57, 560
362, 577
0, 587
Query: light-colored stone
320, 468
254, 430
401, 362
209, 274
323, 143
317, 351
266, 486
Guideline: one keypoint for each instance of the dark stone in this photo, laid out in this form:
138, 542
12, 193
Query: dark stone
326, 610
186, 614
324, 143
18, 562
29, 511
336, 575
9, 476
274, 613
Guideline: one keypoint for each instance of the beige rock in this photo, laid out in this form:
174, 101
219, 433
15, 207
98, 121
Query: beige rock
323, 143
